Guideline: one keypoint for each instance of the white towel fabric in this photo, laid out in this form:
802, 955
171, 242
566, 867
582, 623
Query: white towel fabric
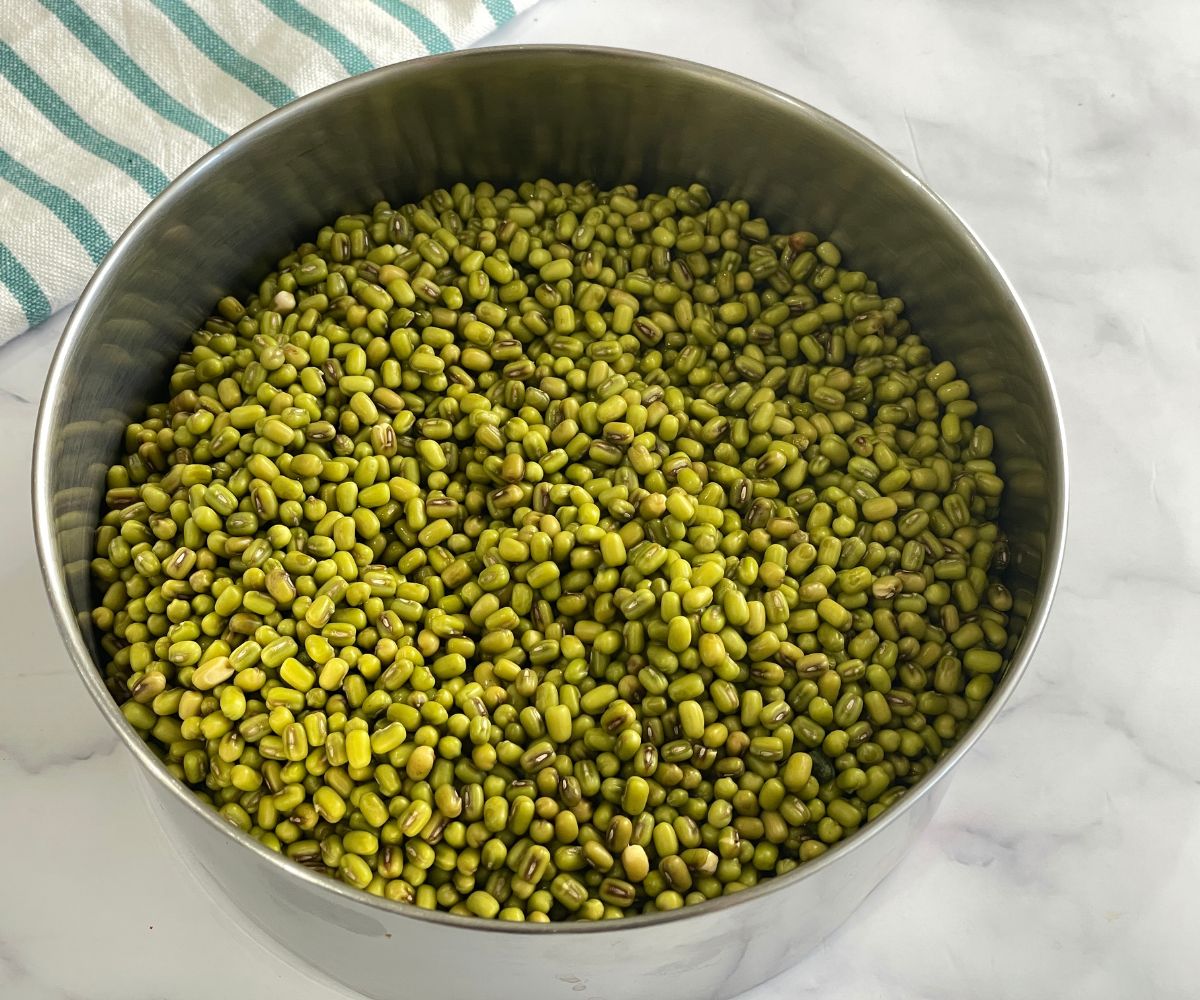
102, 102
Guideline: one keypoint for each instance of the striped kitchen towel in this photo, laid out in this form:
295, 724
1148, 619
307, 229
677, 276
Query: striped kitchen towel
102, 102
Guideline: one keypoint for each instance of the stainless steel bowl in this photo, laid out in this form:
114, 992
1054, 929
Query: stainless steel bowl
504, 115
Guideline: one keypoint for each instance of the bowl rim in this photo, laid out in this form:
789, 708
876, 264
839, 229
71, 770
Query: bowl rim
53, 575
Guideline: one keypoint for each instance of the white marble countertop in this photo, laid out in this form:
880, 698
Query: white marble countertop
1065, 860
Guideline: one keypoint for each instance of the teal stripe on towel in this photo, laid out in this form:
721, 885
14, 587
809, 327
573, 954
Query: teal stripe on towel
501, 10
433, 38
125, 69
223, 55
26, 291
325, 35
83, 225
60, 114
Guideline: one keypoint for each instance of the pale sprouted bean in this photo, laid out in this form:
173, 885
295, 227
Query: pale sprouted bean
553, 552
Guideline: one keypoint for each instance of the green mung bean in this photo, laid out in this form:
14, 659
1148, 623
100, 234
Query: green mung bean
550, 553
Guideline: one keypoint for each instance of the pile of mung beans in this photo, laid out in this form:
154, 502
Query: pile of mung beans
549, 552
